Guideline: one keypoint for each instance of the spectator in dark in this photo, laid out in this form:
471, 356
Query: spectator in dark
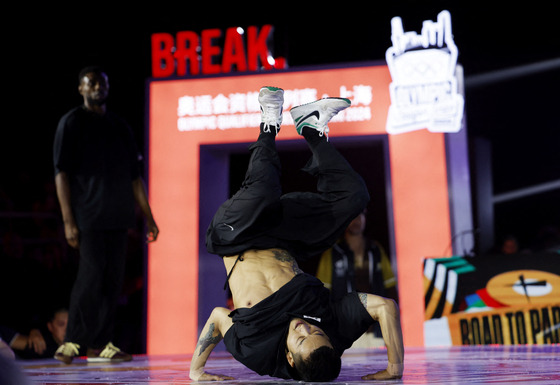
357, 263
509, 245
39, 342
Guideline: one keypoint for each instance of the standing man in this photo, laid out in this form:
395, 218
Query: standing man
97, 178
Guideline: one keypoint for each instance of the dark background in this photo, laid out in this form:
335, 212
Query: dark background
45, 47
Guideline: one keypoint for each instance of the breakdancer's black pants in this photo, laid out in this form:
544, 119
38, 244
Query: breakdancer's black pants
259, 216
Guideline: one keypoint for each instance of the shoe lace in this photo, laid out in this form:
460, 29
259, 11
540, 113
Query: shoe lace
267, 125
69, 349
323, 131
109, 351
272, 117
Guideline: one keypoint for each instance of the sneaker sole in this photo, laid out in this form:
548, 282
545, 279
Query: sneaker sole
65, 359
100, 360
347, 102
272, 89
269, 91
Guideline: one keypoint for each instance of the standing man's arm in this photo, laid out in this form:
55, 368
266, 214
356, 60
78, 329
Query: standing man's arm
142, 199
386, 312
216, 327
71, 231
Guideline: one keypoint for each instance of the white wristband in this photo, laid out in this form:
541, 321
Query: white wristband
395, 369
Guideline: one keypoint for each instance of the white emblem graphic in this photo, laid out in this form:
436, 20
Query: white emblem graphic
424, 87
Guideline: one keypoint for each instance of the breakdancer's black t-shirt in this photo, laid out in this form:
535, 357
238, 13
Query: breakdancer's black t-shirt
257, 337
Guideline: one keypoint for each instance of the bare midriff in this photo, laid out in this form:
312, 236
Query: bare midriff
258, 273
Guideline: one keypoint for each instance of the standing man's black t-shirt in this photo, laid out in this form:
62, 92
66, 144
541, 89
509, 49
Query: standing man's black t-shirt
101, 159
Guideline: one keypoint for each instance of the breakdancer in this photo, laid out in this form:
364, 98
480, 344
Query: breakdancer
284, 324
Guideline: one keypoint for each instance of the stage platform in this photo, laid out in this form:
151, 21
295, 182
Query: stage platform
456, 365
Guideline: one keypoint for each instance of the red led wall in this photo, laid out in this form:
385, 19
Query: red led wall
185, 114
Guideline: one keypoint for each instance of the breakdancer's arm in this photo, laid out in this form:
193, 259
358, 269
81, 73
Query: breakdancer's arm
216, 327
386, 312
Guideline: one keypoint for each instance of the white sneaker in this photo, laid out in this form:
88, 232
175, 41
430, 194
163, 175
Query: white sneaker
66, 352
318, 114
110, 353
271, 100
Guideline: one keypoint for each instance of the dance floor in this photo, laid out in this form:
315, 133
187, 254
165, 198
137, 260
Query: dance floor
456, 365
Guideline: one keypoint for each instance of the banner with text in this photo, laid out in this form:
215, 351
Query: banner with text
493, 299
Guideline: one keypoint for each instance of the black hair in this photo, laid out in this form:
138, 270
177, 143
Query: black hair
322, 365
57, 310
86, 70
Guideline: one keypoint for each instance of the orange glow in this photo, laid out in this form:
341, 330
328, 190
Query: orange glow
421, 218
419, 183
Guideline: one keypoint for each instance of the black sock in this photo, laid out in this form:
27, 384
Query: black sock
312, 136
267, 136
271, 130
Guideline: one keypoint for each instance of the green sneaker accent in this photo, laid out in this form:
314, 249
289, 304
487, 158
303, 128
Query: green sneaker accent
272, 88
300, 127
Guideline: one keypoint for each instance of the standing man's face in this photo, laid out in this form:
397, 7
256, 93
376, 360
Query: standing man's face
94, 88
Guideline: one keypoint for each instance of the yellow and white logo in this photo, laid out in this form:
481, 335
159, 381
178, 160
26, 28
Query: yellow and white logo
524, 287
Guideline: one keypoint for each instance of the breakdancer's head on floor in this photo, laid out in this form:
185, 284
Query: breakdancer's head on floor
310, 354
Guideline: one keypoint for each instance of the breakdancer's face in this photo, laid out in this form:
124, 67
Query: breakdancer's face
303, 339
